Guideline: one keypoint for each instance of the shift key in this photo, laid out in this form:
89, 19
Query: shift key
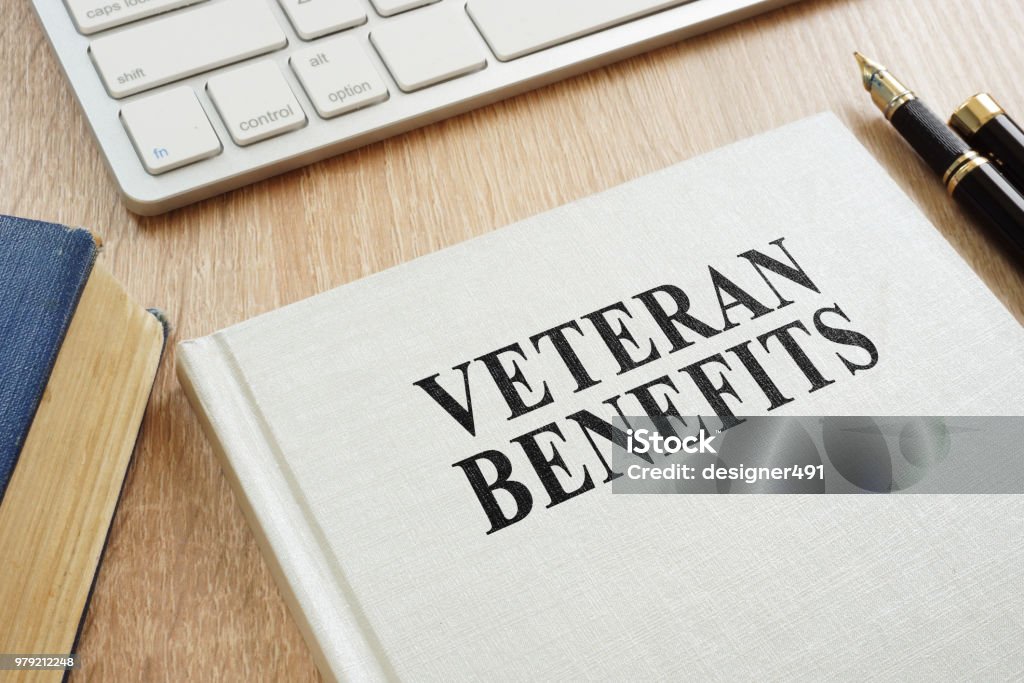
185, 43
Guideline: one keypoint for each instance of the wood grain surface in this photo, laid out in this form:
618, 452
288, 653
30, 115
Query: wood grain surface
183, 593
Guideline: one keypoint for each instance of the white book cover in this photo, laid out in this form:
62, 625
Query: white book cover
420, 456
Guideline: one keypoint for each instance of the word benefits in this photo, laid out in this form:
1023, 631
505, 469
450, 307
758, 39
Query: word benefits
675, 359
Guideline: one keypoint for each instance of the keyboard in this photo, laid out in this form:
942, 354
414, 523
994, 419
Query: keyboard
191, 98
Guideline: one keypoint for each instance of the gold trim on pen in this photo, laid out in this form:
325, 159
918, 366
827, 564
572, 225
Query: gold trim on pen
973, 114
962, 170
898, 102
960, 161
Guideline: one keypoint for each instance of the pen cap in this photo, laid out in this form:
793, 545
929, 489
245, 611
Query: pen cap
989, 129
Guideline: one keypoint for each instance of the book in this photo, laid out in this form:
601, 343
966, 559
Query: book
77, 361
423, 454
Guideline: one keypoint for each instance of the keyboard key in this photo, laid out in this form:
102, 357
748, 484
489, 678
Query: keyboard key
338, 76
170, 130
386, 8
515, 28
256, 103
315, 18
91, 16
428, 47
185, 43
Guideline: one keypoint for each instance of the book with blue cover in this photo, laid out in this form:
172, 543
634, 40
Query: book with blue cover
44, 268
77, 361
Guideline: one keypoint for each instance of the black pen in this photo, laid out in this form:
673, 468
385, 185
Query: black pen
988, 128
969, 177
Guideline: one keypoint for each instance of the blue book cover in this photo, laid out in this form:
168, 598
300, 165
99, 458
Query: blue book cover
43, 270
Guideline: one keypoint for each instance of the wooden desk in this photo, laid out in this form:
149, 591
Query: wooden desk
183, 593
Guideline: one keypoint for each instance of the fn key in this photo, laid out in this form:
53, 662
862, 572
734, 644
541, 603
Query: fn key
170, 130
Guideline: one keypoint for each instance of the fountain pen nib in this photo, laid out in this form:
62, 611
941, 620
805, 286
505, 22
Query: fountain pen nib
868, 69
887, 92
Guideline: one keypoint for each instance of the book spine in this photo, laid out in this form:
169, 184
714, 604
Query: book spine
43, 271
308, 576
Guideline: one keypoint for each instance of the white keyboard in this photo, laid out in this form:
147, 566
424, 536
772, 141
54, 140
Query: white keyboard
191, 98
